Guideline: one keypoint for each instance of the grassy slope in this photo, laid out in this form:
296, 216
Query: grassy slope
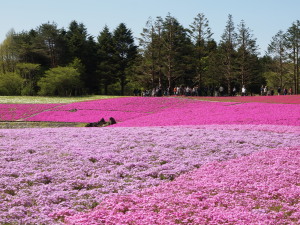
46, 100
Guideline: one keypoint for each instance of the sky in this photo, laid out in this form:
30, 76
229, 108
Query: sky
263, 17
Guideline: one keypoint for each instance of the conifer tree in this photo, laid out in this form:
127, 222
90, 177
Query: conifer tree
228, 52
105, 51
201, 35
247, 60
293, 45
277, 50
125, 52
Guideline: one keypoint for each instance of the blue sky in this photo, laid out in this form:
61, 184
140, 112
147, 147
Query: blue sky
264, 17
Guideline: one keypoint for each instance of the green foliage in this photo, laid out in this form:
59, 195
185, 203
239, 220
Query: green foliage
125, 52
78, 65
61, 81
31, 74
8, 54
106, 70
168, 55
10, 84
273, 80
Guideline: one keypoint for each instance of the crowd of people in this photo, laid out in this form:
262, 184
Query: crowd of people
208, 91
266, 91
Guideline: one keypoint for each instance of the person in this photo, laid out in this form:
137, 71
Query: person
284, 91
243, 91
262, 90
279, 90
234, 91
221, 90
266, 90
216, 91
290, 91
175, 91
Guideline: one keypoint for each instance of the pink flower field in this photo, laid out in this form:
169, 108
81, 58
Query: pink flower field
166, 161
283, 99
12, 112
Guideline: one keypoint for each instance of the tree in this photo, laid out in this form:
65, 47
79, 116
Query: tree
124, 54
77, 36
277, 49
82, 46
105, 50
148, 49
201, 35
8, 54
62, 81
228, 53
30, 73
247, 60
293, 45
177, 53
50, 42
10, 84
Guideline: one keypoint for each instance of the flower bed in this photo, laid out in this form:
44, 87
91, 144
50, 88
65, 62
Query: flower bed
138, 111
279, 99
121, 109
128, 104
199, 112
84, 116
263, 188
149, 167
12, 112
47, 174
172, 111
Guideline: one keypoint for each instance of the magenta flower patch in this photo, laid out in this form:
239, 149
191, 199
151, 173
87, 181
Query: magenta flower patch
12, 112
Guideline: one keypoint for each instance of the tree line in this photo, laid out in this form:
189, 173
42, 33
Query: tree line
67, 62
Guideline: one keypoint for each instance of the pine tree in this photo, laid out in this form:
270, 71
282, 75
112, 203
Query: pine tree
293, 45
228, 52
82, 46
201, 35
124, 54
106, 62
247, 60
177, 52
277, 49
150, 48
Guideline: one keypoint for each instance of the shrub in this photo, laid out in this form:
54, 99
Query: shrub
10, 84
62, 81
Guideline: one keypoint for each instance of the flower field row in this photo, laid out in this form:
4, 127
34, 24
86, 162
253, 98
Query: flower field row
199, 112
12, 112
137, 111
90, 111
282, 99
170, 112
85, 116
50, 173
263, 188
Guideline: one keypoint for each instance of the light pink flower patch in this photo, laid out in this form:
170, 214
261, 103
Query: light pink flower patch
49, 173
263, 188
